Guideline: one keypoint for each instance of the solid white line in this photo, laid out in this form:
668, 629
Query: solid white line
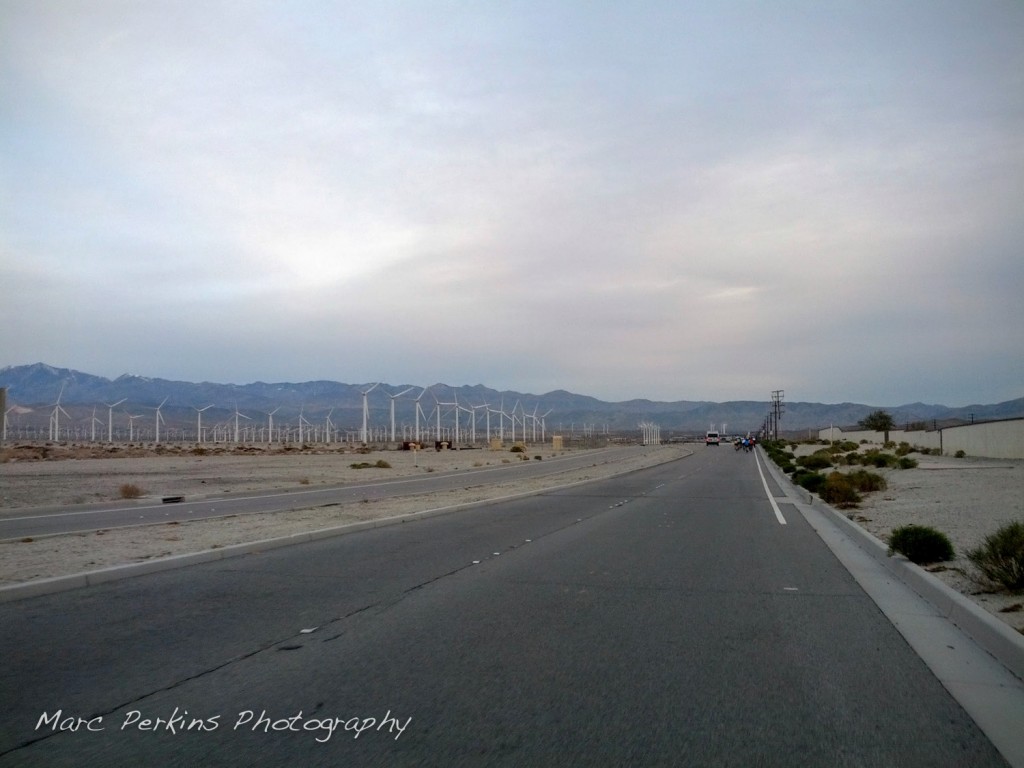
768, 493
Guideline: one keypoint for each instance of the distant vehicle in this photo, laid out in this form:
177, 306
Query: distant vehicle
712, 438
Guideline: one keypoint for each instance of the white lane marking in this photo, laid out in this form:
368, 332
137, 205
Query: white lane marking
768, 493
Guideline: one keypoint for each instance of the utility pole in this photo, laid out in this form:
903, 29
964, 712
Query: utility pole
777, 408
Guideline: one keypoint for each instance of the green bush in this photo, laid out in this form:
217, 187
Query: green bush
805, 478
786, 466
866, 482
905, 462
876, 458
1001, 557
960, 454
379, 464
920, 544
903, 449
817, 460
838, 490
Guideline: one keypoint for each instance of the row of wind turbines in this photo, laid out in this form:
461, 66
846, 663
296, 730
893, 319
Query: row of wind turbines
453, 422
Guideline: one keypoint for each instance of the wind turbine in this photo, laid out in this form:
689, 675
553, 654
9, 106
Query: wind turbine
93, 424
55, 416
473, 427
533, 420
237, 415
270, 424
5, 421
393, 398
543, 431
110, 418
501, 420
366, 411
419, 412
328, 427
303, 421
487, 412
159, 418
512, 418
131, 426
199, 421
456, 404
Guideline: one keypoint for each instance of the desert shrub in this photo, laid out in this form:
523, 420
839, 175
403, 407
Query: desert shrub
817, 460
805, 478
905, 462
852, 458
517, 449
777, 451
920, 544
381, 464
838, 490
960, 454
876, 458
903, 449
866, 482
130, 491
538, 458
1001, 556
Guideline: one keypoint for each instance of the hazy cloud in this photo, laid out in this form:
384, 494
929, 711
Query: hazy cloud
673, 201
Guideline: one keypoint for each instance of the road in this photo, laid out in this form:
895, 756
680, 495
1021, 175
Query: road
667, 617
17, 524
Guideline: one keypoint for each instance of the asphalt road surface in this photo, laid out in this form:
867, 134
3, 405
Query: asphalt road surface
666, 617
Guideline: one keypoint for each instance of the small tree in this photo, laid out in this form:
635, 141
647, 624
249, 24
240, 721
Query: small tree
879, 421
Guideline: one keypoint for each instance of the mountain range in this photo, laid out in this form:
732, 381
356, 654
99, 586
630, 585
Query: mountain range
33, 392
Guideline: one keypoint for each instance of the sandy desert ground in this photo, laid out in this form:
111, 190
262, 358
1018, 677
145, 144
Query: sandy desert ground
967, 499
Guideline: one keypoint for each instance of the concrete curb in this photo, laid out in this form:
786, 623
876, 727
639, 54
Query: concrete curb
998, 639
57, 584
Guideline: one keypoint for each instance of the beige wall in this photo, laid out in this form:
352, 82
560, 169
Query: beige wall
992, 439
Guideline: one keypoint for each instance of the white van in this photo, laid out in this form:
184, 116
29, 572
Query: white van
712, 439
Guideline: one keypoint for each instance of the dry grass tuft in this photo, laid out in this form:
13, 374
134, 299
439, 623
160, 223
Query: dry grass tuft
130, 491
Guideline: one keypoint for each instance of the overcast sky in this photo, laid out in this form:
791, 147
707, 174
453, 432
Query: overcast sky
669, 200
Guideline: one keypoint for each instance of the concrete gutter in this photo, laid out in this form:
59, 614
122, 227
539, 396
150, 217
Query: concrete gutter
976, 657
993, 635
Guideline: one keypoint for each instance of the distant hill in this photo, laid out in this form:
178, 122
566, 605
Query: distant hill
86, 400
